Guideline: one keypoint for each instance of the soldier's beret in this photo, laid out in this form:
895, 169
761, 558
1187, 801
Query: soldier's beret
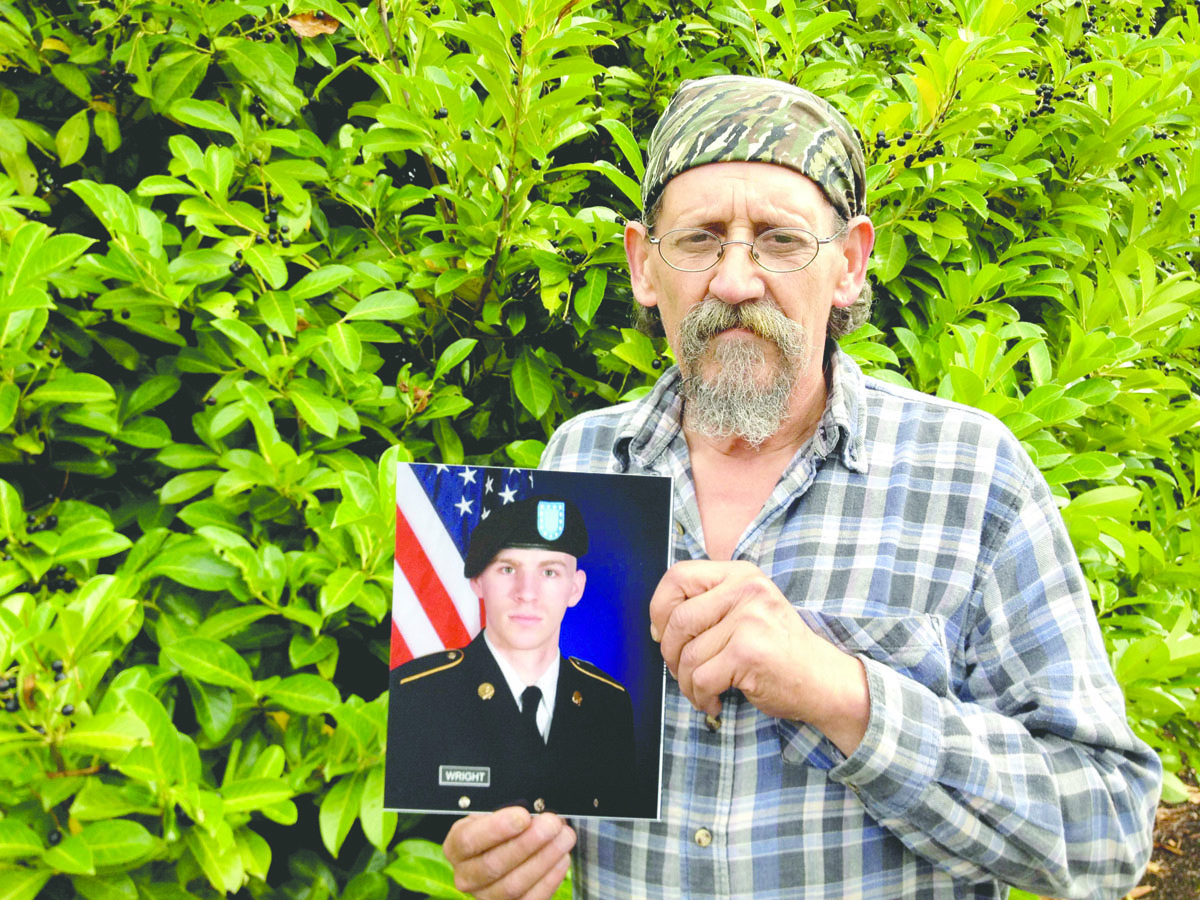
547, 523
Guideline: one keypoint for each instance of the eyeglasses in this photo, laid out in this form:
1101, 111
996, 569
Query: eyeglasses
776, 250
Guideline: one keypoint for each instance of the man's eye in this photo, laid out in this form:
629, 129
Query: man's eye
506, 570
550, 573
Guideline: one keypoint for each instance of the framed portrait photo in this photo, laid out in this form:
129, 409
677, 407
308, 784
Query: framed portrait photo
522, 667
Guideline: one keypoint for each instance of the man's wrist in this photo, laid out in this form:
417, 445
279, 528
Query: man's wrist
846, 706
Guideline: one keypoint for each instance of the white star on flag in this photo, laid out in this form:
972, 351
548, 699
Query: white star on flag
508, 495
463, 506
487, 486
468, 476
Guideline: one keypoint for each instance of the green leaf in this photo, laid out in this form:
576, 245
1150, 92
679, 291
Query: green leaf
12, 514
214, 709
627, 143
270, 267
339, 809
254, 794
305, 694
278, 311
72, 857
421, 866
318, 412
187, 485
377, 824
320, 281
385, 306
106, 733
17, 840
108, 129
211, 661
532, 383
206, 114
1116, 501
9, 395
150, 393
340, 590
73, 79
23, 884
221, 865
90, 539
453, 355
177, 78
74, 387
118, 842
72, 139
193, 563
587, 298
346, 346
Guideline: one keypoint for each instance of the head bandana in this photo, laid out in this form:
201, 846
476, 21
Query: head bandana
731, 118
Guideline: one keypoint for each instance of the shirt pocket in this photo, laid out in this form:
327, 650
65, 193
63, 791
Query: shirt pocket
914, 645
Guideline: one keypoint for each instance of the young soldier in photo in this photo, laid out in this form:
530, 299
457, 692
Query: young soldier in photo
508, 720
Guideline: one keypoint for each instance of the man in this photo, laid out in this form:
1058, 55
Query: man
507, 719
888, 677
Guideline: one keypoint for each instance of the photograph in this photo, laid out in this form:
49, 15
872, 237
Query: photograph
522, 668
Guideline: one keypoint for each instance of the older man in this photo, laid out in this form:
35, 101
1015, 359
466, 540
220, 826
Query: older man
888, 677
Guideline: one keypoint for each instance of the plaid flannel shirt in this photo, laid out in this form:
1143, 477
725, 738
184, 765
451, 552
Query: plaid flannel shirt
918, 535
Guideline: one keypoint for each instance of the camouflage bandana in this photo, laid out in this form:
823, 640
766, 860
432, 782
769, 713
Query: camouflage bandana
732, 118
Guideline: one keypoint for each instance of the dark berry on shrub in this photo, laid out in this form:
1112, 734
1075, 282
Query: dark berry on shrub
656, 363
11, 704
51, 521
57, 665
441, 112
69, 709
466, 135
54, 838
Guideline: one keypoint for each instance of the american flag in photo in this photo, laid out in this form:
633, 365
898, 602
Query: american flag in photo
437, 508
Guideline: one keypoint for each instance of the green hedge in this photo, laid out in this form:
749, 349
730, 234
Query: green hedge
243, 272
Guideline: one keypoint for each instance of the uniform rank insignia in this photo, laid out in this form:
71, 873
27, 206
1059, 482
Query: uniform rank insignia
551, 518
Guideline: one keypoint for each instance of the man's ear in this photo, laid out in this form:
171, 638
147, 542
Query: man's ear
855, 250
579, 579
476, 586
637, 252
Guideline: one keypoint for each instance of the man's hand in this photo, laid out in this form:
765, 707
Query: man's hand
510, 854
726, 625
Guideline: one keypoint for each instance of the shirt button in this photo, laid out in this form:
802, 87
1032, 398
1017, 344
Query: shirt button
678, 527
539, 805
713, 722
702, 837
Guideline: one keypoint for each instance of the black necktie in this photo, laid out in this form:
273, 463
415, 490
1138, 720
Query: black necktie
530, 698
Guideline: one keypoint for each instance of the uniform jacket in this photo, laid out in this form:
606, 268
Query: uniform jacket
454, 709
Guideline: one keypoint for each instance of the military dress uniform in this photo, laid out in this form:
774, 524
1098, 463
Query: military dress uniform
456, 740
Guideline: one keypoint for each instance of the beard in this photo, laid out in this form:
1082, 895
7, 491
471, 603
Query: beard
748, 392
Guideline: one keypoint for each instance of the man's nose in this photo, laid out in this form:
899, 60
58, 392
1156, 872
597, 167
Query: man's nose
737, 278
526, 585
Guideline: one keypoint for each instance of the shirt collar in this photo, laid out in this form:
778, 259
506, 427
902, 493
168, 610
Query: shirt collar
547, 682
651, 430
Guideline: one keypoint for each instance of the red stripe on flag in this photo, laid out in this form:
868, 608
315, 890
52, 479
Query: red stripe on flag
400, 652
430, 591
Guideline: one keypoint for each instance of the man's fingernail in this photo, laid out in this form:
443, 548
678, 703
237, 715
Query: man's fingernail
654, 633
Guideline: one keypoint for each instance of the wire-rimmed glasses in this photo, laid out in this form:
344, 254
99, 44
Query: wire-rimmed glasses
776, 250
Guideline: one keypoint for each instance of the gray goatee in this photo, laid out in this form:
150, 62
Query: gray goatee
747, 393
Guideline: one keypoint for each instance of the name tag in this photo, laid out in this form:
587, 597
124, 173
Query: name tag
465, 776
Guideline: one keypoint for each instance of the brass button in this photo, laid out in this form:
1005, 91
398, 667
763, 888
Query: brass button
577, 698
452, 655
713, 722
702, 837
486, 691
464, 802
596, 802
539, 805
678, 527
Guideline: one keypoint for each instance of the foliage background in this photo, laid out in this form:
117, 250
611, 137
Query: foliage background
243, 272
